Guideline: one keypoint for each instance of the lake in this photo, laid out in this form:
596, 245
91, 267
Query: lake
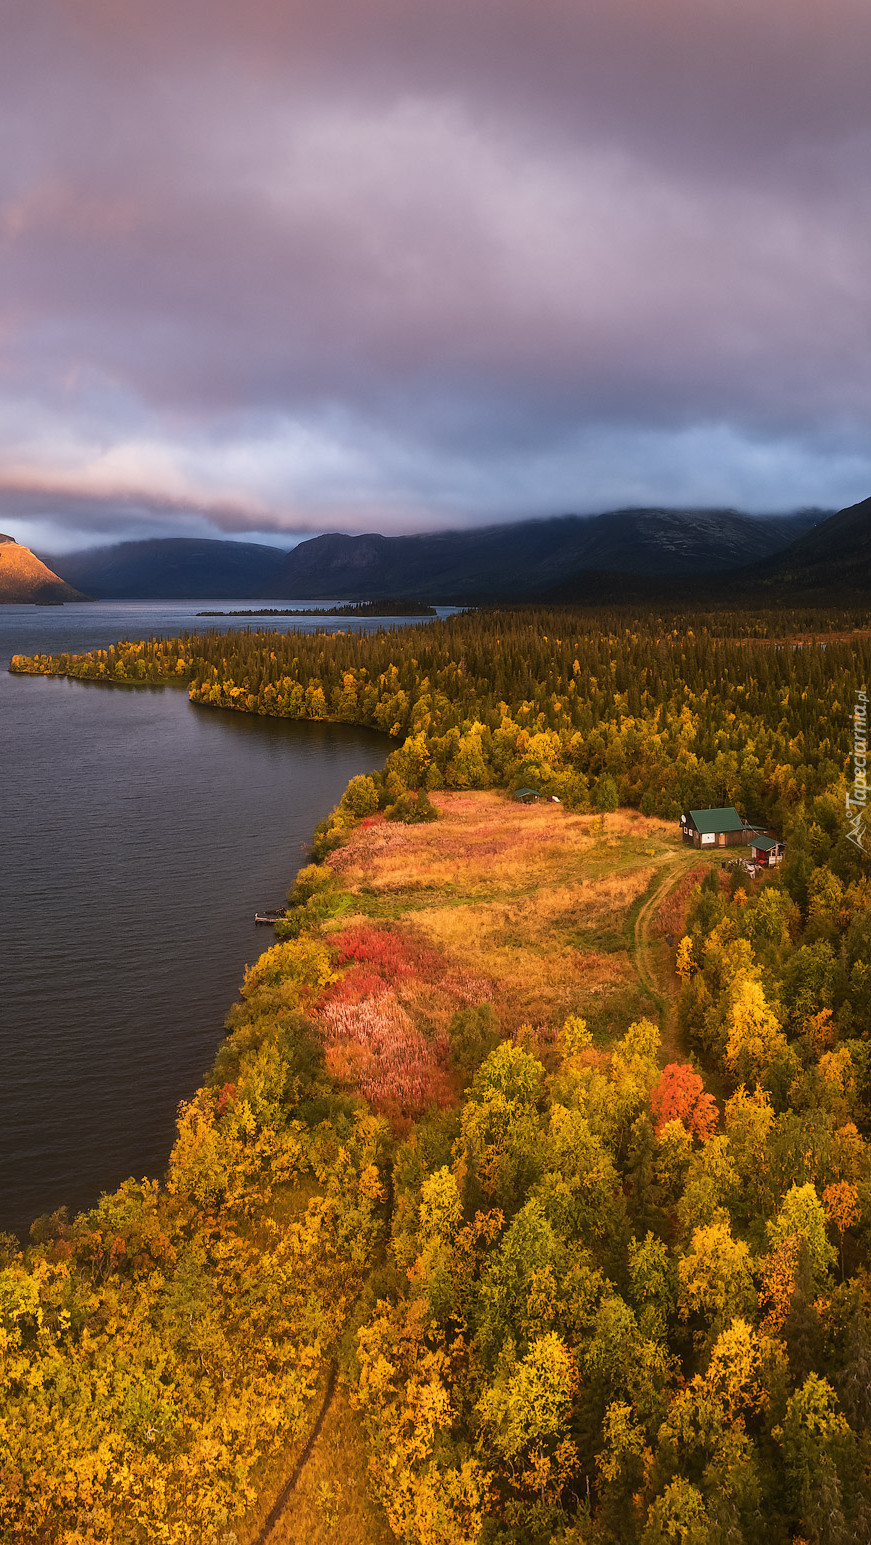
139, 836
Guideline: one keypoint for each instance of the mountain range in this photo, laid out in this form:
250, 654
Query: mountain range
533, 558
678, 556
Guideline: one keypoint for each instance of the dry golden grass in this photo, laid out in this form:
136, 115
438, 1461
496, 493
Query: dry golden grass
531, 899
331, 1504
487, 842
537, 973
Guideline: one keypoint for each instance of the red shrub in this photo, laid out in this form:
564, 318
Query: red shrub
378, 948
392, 954
372, 1043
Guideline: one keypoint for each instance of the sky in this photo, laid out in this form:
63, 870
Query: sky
276, 268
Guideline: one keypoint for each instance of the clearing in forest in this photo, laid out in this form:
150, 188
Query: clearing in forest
530, 909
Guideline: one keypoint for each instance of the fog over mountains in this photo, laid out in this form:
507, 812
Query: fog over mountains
515, 561
675, 556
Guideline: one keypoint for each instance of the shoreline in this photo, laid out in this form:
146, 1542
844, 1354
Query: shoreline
76, 1162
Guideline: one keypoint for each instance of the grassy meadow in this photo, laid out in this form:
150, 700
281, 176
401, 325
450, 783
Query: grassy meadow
526, 908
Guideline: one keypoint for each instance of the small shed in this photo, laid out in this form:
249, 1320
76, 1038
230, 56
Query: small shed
714, 828
766, 851
526, 796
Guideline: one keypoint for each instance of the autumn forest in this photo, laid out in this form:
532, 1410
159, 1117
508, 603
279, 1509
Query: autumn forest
539, 1137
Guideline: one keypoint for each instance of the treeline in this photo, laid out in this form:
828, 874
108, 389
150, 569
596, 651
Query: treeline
390, 608
656, 712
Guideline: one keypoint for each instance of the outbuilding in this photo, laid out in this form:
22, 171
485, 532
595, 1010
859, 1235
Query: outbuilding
714, 828
766, 851
526, 796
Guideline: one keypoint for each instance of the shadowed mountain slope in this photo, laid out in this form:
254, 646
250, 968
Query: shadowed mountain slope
835, 557
829, 564
529, 558
501, 563
175, 569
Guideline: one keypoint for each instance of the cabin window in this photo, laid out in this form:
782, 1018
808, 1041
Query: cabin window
709, 837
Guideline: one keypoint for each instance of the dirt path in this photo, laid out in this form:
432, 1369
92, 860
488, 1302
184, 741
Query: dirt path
278, 1528
283, 1497
651, 960
331, 1502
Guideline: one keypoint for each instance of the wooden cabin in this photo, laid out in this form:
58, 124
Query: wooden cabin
526, 796
714, 828
766, 851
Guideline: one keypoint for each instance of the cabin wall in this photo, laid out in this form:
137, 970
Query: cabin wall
714, 839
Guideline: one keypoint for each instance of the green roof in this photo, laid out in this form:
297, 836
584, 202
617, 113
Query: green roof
520, 793
765, 843
727, 820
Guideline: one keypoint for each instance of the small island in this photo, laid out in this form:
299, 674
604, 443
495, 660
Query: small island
349, 609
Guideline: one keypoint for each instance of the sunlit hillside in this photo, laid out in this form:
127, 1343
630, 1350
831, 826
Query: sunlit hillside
23, 577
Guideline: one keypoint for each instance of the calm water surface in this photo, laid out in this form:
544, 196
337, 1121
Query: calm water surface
139, 835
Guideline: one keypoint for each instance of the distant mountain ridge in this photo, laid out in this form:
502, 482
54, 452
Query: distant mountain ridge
174, 569
25, 580
517, 561
528, 558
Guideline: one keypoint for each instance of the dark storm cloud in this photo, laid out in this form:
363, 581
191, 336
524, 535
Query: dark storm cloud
394, 264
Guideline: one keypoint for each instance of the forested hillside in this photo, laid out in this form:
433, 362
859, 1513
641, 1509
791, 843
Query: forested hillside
835, 557
174, 568
581, 1288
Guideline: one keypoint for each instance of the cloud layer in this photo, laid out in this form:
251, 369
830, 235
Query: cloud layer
390, 264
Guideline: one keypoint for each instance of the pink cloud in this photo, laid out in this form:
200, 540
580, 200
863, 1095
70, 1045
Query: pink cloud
403, 262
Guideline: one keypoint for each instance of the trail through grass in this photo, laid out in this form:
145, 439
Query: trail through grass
326, 1500
652, 954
